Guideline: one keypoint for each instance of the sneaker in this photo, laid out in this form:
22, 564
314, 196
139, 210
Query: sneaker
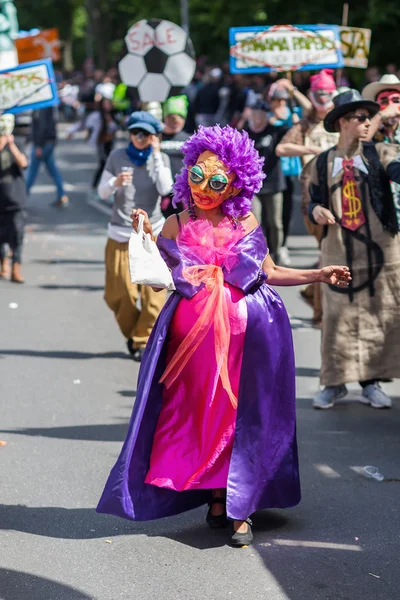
63, 202
374, 395
283, 257
326, 397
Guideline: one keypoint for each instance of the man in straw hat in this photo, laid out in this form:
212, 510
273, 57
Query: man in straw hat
351, 197
385, 124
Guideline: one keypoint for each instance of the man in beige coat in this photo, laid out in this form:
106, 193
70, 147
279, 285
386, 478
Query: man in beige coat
351, 197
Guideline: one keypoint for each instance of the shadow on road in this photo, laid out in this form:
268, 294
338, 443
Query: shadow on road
17, 585
82, 288
313, 563
68, 354
306, 372
127, 393
111, 432
68, 261
84, 523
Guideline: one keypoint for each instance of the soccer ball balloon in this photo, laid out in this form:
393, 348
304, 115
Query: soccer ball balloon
160, 59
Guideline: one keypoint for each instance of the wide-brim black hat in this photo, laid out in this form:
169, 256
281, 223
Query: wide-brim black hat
345, 103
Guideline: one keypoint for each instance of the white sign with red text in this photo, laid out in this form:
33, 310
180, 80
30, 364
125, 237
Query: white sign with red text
160, 59
141, 37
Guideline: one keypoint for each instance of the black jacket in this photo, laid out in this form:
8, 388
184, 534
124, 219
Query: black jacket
378, 181
44, 126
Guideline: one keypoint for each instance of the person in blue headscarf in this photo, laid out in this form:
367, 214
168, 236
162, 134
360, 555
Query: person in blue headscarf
138, 177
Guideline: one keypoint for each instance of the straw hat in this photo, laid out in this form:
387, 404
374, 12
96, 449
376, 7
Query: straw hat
387, 82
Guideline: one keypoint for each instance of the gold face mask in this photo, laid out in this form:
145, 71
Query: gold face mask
210, 181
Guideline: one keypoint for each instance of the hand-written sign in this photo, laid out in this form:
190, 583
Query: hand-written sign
355, 46
167, 36
284, 48
28, 86
160, 59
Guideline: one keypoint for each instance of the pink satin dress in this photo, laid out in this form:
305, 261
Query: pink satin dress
194, 437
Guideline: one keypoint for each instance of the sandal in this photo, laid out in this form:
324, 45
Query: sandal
217, 521
243, 539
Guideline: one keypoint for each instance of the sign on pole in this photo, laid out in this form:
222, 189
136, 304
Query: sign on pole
356, 43
28, 86
160, 59
284, 48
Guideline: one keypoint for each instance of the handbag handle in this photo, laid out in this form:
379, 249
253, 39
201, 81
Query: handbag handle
140, 225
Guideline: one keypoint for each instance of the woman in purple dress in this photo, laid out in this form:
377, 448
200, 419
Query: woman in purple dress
214, 420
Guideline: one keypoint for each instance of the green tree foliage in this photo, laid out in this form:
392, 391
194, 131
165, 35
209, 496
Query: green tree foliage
102, 24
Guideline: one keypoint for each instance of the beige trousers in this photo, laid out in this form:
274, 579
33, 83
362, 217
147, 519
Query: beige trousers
121, 296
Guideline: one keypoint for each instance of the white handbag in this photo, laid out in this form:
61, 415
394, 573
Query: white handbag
146, 264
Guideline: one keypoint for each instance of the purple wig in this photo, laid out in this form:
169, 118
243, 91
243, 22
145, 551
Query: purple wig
237, 152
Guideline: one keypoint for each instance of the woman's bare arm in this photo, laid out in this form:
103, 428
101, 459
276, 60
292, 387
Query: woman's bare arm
335, 275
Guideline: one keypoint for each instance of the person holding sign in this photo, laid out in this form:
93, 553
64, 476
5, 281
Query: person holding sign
308, 139
266, 126
214, 419
351, 199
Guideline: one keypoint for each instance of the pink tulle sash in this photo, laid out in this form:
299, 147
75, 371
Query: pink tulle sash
214, 245
215, 312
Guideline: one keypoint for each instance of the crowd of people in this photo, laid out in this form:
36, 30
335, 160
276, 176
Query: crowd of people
249, 147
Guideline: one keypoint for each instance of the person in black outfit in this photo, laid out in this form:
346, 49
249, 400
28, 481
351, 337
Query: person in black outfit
175, 110
12, 199
266, 134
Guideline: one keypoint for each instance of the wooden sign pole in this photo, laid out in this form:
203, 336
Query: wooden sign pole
345, 15
345, 22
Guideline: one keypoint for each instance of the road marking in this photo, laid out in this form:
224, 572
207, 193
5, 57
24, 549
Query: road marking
98, 205
312, 544
326, 470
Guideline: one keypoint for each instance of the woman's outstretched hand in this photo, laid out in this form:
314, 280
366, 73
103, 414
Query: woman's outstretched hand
147, 228
334, 275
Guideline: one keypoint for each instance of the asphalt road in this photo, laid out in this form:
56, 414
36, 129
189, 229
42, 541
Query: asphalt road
66, 392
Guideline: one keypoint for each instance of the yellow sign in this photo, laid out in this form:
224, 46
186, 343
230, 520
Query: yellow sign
45, 44
355, 46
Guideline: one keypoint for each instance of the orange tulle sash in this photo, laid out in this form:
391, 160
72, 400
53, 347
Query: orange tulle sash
214, 313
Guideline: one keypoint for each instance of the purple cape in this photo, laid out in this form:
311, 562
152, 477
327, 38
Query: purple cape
264, 470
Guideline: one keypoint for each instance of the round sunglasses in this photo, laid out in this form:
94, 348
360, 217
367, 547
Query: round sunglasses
217, 182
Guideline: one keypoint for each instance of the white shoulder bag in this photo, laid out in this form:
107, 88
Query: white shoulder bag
146, 264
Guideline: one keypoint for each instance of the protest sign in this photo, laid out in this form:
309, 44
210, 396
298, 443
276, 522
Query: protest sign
45, 44
355, 46
28, 86
160, 59
284, 48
